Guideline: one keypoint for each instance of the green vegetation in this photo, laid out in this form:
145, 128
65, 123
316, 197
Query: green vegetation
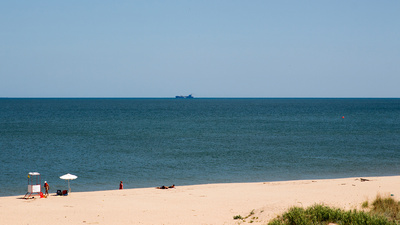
239, 217
365, 205
387, 207
384, 211
319, 214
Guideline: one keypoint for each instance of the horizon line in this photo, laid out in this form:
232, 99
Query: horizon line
200, 98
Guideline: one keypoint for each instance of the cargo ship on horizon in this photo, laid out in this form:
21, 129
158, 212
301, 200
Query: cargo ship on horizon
183, 96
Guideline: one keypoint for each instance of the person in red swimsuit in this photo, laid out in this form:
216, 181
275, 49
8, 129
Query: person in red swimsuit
121, 185
46, 187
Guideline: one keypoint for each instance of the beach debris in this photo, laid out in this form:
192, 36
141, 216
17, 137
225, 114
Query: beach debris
363, 179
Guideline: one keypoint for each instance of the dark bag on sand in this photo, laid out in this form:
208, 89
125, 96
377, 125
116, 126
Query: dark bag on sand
59, 192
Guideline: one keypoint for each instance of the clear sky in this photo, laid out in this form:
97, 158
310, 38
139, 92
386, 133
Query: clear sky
215, 48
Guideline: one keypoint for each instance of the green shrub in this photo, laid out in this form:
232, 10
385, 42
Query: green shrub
384, 211
238, 217
320, 214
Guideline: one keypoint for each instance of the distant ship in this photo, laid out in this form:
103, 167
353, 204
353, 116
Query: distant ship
182, 96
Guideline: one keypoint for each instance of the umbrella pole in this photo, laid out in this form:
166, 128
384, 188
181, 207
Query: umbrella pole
69, 188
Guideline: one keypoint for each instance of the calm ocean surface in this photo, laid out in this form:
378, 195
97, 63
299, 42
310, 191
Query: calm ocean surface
154, 142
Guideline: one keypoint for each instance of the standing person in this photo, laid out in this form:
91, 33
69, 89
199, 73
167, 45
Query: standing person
121, 185
46, 187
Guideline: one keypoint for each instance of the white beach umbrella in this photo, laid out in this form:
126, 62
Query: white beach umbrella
68, 177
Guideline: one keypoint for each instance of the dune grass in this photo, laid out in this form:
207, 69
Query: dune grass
383, 211
386, 207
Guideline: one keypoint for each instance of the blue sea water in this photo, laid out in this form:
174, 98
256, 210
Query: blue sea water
154, 142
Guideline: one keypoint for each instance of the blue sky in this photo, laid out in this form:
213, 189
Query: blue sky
208, 48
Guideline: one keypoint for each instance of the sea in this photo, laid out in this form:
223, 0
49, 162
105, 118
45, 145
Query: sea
150, 142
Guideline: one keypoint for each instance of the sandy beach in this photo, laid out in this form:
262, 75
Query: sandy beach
196, 204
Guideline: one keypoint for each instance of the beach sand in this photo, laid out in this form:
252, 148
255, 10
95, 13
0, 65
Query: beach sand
196, 204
